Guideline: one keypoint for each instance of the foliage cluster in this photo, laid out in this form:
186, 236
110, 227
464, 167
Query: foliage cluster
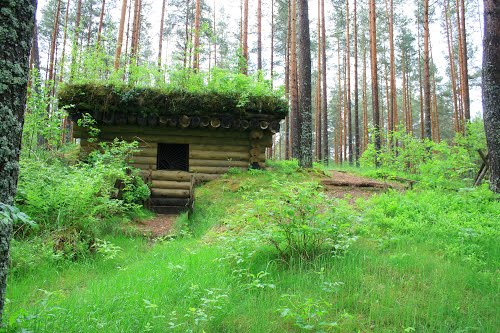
431, 251
147, 90
432, 164
71, 201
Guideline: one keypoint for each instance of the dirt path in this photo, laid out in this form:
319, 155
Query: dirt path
345, 185
160, 225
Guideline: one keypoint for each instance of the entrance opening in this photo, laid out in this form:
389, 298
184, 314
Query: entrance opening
172, 156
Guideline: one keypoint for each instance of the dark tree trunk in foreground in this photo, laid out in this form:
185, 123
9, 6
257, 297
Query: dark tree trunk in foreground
491, 87
304, 71
16, 31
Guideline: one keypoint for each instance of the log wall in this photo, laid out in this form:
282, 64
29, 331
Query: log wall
212, 151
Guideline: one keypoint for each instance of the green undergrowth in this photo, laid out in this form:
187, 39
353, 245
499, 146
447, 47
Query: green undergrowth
267, 251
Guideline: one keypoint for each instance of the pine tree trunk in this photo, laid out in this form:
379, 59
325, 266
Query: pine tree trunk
365, 101
272, 44
244, 67
162, 24
348, 88
288, 84
374, 78
394, 100
294, 121
465, 79
16, 23
356, 93
259, 35
186, 32
63, 56
53, 43
319, 148
76, 37
119, 43
101, 19
305, 112
451, 55
427, 84
324, 104
491, 88
197, 16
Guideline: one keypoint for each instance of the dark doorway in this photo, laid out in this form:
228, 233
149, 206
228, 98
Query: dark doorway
173, 156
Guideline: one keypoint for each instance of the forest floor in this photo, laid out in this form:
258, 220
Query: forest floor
349, 186
158, 226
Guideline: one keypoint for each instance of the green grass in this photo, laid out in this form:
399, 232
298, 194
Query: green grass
424, 261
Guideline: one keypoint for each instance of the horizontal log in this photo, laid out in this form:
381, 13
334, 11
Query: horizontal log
145, 167
218, 155
143, 160
367, 183
180, 139
146, 152
205, 177
218, 163
170, 201
167, 175
138, 130
226, 147
168, 184
210, 170
168, 193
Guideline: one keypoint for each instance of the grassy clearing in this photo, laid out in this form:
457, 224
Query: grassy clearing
424, 261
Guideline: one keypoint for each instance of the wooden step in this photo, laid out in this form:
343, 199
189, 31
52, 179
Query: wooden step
169, 209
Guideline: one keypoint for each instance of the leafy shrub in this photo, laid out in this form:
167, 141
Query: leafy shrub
60, 196
298, 220
435, 164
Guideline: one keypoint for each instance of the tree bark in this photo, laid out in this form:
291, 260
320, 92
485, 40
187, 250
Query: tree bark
259, 35
491, 88
305, 113
101, 19
324, 104
427, 81
244, 67
16, 23
120, 35
374, 74
465, 70
53, 43
356, 93
294, 98
197, 15
162, 24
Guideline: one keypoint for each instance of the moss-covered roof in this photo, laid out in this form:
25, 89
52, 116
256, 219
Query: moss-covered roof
145, 102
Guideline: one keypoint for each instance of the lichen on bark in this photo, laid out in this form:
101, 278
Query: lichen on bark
16, 30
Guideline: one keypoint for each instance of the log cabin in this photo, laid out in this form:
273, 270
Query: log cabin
183, 137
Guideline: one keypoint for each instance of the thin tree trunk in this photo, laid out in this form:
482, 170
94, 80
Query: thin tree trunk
119, 43
101, 19
162, 24
451, 55
197, 16
272, 44
288, 84
427, 86
374, 78
186, 31
244, 66
324, 110
136, 26
465, 79
294, 126
319, 148
128, 28
356, 93
349, 113
63, 56
53, 43
259, 35
365, 101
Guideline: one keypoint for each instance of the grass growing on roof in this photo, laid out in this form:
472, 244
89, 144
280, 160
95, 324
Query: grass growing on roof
182, 92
